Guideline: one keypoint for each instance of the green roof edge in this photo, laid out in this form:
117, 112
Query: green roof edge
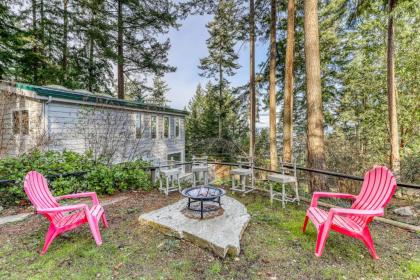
79, 96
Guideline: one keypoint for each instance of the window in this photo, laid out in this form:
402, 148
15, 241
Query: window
165, 127
174, 156
139, 127
177, 125
21, 122
153, 127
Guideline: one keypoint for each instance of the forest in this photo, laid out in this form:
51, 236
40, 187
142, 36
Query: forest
340, 82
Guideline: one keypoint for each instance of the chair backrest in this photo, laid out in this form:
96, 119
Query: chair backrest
287, 171
378, 187
245, 162
36, 188
199, 161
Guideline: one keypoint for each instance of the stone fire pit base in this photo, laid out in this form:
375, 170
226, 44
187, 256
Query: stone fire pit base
221, 234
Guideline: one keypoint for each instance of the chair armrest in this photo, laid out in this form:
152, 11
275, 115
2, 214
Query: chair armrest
79, 195
356, 212
317, 195
67, 208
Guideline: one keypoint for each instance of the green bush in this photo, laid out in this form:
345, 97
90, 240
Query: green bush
100, 178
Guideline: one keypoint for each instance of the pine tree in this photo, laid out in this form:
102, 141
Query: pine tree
159, 91
272, 86
221, 61
288, 84
11, 41
315, 117
139, 48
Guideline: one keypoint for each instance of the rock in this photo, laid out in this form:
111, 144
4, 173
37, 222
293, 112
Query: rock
221, 234
14, 218
407, 211
1, 208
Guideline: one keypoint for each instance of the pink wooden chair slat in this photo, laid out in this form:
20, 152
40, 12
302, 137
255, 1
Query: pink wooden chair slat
63, 218
378, 187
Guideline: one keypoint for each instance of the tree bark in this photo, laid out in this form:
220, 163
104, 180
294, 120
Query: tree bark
90, 78
252, 77
392, 93
120, 50
315, 142
42, 23
65, 39
34, 30
220, 99
272, 86
288, 84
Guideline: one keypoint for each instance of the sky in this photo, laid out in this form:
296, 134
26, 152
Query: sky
188, 45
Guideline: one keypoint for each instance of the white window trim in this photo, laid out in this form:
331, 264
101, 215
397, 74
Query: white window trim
169, 127
151, 127
139, 121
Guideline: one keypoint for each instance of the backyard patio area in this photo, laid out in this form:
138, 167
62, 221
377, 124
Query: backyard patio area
272, 247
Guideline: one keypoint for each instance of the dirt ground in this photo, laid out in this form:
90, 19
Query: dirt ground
272, 247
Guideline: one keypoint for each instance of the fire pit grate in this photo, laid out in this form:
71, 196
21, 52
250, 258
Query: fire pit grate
205, 198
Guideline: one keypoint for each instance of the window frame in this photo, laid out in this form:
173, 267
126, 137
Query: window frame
154, 129
138, 126
177, 127
18, 127
166, 127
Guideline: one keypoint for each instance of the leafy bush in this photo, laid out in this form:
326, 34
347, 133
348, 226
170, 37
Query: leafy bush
100, 178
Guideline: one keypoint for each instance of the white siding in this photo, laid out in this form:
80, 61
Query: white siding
64, 121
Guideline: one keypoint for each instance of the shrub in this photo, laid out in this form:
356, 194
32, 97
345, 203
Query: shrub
100, 177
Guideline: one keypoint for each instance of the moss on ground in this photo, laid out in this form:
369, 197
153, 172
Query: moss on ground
273, 247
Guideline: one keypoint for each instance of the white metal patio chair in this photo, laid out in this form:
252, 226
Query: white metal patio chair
287, 176
200, 166
169, 173
245, 171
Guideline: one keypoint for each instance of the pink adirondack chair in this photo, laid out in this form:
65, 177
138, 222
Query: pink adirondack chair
378, 187
63, 218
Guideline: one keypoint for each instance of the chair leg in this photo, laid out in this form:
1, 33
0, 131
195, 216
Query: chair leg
297, 192
305, 223
322, 239
368, 241
283, 196
104, 220
51, 234
271, 193
94, 229
233, 182
179, 185
167, 185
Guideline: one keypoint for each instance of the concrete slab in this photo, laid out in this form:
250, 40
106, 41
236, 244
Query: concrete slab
221, 234
14, 218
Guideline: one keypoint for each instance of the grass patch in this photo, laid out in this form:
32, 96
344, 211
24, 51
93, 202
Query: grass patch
272, 246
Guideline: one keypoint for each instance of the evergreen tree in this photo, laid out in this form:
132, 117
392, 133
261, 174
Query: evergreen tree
139, 48
221, 61
159, 91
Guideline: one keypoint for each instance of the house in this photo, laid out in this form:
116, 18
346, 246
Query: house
56, 118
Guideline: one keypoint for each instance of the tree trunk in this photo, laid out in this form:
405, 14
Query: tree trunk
90, 79
252, 78
392, 94
42, 23
120, 52
65, 38
288, 84
315, 142
272, 85
34, 30
220, 99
